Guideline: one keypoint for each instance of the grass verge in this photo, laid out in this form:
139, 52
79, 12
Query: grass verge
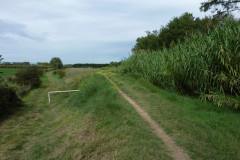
95, 123
205, 131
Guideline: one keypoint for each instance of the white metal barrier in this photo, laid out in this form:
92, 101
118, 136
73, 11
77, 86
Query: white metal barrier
49, 98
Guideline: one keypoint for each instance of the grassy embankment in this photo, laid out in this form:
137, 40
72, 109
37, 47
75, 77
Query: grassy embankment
95, 123
204, 130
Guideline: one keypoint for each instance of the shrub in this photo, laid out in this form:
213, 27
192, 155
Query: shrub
29, 76
114, 64
10, 78
61, 73
9, 100
21, 91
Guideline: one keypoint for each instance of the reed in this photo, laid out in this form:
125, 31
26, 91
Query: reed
204, 65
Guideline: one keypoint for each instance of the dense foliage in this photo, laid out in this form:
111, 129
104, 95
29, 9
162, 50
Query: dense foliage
176, 30
43, 64
60, 72
29, 76
207, 65
114, 64
220, 7
92, 65
9, 100
56, 63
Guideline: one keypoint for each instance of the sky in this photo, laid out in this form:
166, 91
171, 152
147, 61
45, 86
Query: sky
82, 31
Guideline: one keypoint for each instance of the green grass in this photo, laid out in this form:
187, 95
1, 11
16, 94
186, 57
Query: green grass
95, 123
8, 71
204, 130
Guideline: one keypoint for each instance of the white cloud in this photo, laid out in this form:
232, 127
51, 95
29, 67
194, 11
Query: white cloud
82, 30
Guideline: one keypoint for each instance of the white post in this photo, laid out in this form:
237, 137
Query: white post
49, 100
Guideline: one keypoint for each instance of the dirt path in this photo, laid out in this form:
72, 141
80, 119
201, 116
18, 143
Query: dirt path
176, 152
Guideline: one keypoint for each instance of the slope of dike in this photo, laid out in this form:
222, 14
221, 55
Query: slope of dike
94, 123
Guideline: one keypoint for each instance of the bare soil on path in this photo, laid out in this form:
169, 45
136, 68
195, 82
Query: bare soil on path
176, 152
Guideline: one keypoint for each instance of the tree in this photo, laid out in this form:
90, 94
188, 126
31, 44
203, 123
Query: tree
220, 7
56, 63
1, 58
150, 42
177, 29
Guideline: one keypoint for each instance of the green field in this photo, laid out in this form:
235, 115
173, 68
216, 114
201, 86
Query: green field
8, 71
98, 123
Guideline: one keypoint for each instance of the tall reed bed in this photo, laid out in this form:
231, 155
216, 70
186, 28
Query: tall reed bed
204, 65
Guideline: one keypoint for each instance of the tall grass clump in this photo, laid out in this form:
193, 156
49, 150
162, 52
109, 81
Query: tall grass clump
96, 96
204, 65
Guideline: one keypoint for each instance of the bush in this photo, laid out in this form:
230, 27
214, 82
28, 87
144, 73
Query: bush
29, 76
61, 73
114, 64
21, 91
9, 101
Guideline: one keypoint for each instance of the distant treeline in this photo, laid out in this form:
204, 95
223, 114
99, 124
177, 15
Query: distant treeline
23, 66
46, 65
25, 63
16, 63
42, 65
92, 65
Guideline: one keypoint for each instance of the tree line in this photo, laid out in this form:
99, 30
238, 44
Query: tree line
176, 31
180, 28
25, 63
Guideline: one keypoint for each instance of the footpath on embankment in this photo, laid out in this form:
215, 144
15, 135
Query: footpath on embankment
176, 152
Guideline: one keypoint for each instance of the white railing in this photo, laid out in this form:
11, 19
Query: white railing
49, 98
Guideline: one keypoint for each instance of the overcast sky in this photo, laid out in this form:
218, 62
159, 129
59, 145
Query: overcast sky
81, 31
